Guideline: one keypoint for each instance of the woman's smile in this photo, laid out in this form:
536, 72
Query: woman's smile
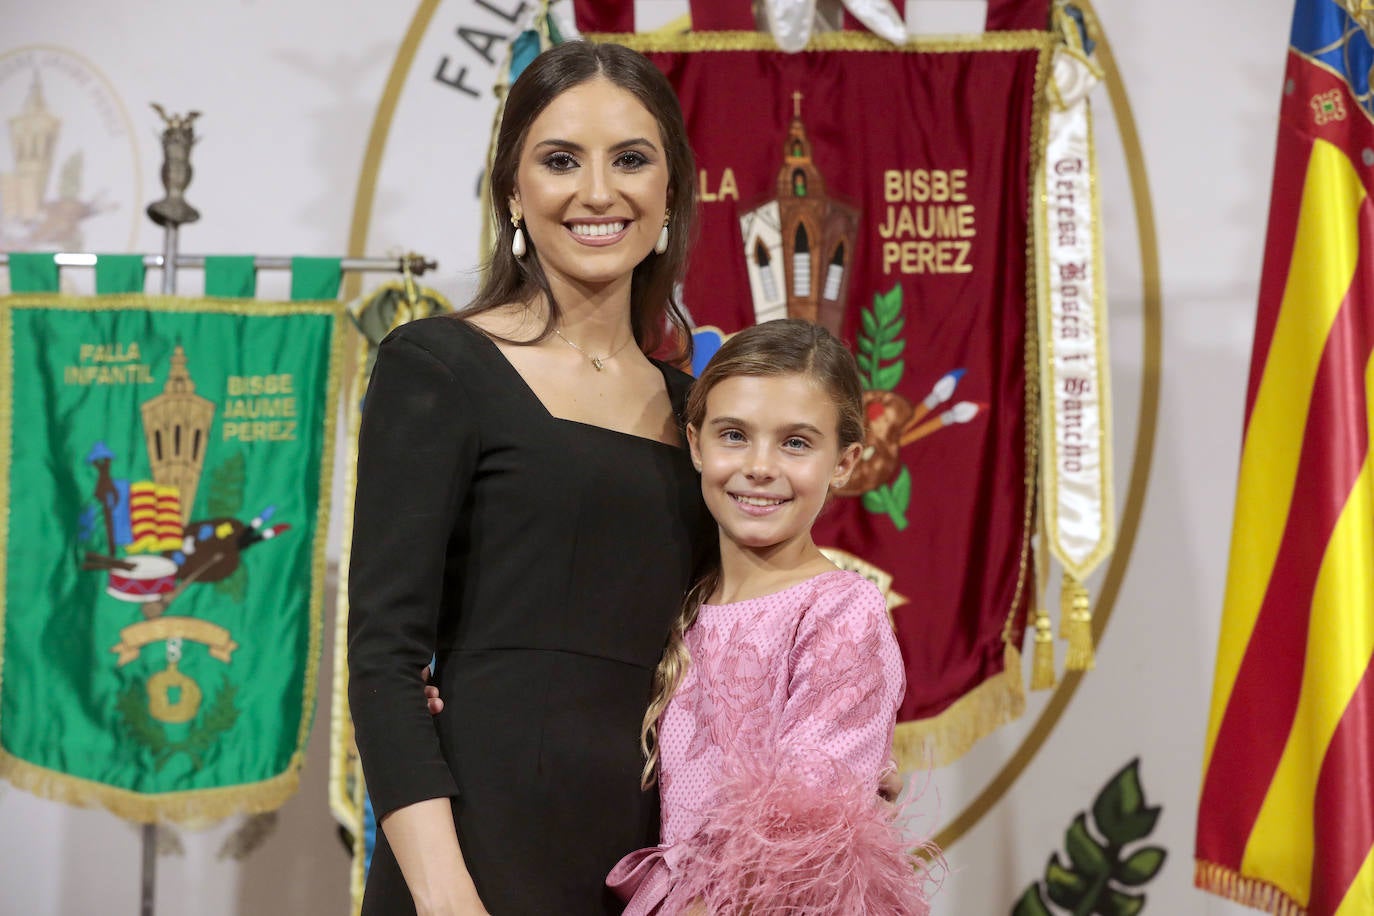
598, 232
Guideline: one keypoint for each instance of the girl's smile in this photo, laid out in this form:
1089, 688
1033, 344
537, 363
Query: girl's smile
768, 449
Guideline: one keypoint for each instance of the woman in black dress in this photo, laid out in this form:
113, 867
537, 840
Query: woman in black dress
527, 513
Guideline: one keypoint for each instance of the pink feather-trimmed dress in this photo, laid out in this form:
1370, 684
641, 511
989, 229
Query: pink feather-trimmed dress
770, 755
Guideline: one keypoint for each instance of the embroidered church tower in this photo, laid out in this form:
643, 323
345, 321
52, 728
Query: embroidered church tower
176, 429
799, 247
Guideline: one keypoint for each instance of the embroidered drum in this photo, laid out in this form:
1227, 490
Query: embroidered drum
151, 578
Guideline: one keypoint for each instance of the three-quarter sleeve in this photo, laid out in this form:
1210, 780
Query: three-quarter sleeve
847, 681
417, 455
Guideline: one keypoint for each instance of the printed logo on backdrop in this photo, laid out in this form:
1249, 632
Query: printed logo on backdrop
429, 176
69, 167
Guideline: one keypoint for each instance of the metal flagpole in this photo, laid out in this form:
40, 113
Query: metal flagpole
415, 263
169, 213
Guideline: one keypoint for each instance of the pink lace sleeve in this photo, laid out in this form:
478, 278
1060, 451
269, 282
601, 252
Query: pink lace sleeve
846, 683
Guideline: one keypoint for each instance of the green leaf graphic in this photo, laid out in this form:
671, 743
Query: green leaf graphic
892, 499
886, 379
1065, 888
870, 324
1093, 881
901, 490
1120, 810
1088, 858
880, 341
1140, 867
1119, 904
1030, 904
891, 349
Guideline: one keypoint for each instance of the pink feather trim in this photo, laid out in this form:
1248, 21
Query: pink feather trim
779, 841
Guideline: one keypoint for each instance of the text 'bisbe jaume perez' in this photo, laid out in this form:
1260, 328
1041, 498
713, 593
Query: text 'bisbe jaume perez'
928, 225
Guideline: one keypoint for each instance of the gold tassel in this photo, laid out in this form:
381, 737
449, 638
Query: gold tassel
1076, 619
1042, 664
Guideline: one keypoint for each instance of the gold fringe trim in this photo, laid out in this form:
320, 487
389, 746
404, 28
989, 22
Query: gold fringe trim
319, 564
344, 768
943, 739
194, 808
1033, 566
1076, 616
1252, 892
1042, 665
656, 42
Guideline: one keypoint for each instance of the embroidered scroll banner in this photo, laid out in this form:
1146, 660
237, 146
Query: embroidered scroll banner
1285, 820
1076, 469
166, 467
885, 193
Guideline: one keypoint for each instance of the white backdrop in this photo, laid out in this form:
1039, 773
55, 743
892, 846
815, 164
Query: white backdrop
289, 91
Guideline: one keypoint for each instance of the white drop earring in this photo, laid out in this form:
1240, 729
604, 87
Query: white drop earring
662, 244
517, 243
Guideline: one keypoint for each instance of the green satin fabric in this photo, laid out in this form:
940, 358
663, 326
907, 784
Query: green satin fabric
315, 278
84, 385
119, 273
231, 276
33, 273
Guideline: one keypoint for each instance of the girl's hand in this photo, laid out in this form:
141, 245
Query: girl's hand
889, 786
432, 700
696, 909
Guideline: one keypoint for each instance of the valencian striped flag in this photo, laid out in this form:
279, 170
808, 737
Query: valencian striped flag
1286, 819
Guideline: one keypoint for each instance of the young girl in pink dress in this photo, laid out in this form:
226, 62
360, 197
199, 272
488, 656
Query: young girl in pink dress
775, 702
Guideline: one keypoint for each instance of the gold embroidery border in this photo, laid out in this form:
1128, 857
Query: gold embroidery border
667, 43
192, 806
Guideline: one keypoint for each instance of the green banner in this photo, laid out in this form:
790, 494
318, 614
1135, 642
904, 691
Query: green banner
166, 465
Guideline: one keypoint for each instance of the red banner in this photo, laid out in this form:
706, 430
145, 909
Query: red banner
885, 194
